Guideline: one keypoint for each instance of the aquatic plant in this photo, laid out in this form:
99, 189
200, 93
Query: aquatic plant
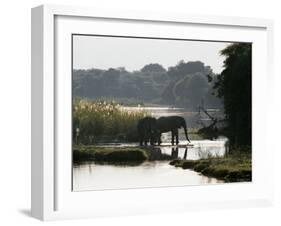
103, 121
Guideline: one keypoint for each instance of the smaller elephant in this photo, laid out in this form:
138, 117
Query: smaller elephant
146, 129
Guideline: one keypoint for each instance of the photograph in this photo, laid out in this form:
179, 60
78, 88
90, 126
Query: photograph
150, 112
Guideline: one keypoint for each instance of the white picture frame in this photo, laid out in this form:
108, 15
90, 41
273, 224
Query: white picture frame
52, 197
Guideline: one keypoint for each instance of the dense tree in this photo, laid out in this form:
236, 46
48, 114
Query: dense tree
197, 89
152, 68
189, 85
211, 99
185, 68
233, 85
190, 90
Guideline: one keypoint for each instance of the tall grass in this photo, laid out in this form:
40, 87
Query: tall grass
104, 121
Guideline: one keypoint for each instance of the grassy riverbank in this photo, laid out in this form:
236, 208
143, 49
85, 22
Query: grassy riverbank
117, 155
109, 154
236, 167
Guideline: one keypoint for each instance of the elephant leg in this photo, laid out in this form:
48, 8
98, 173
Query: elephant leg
145, 141
177, 136
159, 140
146, 138
141, 140
173, 137
185, 153
152, 139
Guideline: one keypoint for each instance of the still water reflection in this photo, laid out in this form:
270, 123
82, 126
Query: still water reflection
91, 176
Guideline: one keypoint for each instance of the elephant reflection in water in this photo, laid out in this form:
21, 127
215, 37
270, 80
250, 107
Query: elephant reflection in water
151, 129
175, 153
185, 153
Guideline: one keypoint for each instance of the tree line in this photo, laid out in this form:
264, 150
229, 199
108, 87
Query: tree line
185, 84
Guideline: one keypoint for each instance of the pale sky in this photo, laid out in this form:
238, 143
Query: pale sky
134, 53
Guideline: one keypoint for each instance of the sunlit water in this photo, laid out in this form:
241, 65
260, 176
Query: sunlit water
90, 176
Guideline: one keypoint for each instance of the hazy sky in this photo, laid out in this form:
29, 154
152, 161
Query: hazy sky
134, 53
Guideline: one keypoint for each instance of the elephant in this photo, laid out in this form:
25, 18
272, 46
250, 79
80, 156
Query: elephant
170, 123
147, 130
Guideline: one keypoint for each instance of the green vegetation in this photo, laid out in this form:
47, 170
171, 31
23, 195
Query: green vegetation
117, 155
114, 155
232, 168
101, 121
234, 86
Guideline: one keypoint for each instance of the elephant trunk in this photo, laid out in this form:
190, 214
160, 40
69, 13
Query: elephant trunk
185, 131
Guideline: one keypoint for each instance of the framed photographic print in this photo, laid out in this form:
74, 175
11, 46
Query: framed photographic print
135, 112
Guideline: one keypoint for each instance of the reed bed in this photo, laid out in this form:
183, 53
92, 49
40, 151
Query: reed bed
104, 121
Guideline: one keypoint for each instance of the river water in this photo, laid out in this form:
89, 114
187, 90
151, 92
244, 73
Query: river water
90, 176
